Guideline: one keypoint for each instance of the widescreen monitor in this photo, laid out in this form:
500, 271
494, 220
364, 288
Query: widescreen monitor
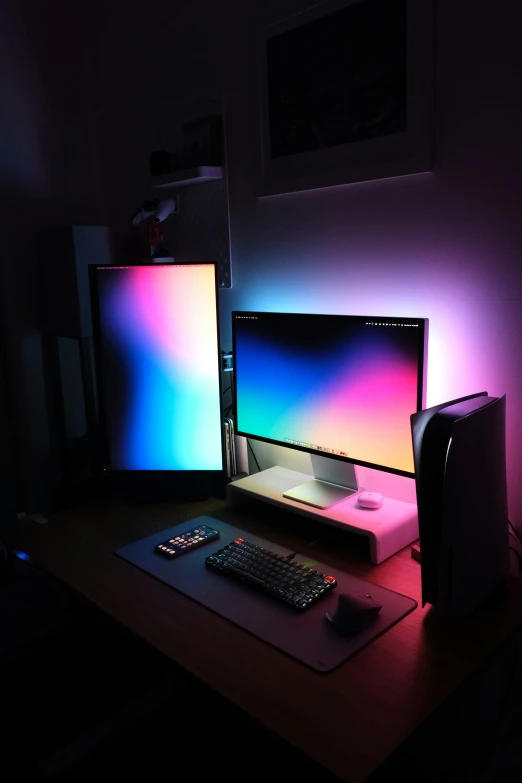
337, 386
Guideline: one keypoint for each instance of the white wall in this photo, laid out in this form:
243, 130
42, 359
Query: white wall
445, 245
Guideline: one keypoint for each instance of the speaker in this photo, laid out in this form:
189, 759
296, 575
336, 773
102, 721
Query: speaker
460, 476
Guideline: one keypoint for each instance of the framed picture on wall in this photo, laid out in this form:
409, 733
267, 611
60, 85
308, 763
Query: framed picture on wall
345, 94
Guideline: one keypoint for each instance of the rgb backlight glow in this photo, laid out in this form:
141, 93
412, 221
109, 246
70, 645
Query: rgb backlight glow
342, 386
160, 366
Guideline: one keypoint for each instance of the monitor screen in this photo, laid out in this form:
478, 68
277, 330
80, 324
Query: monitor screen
158, 366
334, 385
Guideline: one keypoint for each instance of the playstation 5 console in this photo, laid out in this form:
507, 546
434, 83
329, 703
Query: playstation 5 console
460, 475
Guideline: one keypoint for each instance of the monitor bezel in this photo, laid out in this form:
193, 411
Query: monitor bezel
421, 381
191, 480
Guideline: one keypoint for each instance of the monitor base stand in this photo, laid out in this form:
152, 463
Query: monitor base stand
388, 529
318, 494
334, 481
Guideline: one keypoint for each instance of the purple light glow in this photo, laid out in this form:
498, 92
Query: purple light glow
454, 323
462, 357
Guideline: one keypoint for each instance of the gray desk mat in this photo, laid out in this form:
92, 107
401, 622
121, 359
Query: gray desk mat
306, 636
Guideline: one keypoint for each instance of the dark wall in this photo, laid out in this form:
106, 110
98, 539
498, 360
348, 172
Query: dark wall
48, 177
91, 89
445, 245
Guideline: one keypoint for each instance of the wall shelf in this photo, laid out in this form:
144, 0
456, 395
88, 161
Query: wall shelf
192, 176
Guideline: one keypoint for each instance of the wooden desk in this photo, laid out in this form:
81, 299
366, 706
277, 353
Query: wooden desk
351, 720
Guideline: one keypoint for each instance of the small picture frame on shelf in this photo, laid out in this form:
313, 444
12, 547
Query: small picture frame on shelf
203, 142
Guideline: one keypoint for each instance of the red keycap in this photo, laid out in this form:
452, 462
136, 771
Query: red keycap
329, 579
240, 540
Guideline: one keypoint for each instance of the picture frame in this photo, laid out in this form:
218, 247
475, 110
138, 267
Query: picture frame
345, 95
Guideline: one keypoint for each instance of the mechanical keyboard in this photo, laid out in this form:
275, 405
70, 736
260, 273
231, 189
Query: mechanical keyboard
293, 583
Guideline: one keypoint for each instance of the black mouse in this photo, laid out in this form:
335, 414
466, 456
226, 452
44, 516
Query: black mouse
354, 612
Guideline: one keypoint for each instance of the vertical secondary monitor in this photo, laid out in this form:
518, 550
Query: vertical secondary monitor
339, 386
158, 367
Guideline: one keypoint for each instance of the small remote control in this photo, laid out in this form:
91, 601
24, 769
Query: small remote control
185, 542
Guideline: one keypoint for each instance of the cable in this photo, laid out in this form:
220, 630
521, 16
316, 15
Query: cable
519, 556
515, 532
253, 454
298, 552
230, 388
230, 407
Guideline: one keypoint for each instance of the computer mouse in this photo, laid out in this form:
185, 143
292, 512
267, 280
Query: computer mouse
354, 612
370, 500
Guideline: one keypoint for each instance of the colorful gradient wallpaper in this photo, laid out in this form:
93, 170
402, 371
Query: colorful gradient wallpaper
160, 366
336, 385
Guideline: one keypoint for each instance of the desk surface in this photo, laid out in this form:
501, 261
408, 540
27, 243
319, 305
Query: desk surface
371, 704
